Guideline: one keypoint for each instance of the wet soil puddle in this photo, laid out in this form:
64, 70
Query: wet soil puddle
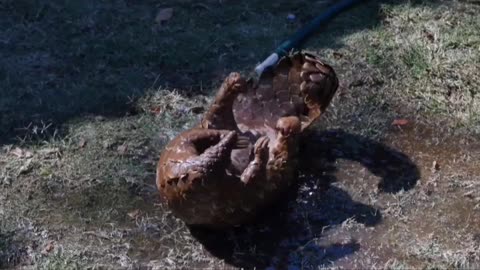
414, 199
434, 220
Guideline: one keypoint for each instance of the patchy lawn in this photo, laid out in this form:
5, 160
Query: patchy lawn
91, 91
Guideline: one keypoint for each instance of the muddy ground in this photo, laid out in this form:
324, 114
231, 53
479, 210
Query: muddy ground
91, 92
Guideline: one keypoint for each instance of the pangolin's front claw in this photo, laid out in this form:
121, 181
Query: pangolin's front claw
261, 147
242, 142
256, 169
233, 85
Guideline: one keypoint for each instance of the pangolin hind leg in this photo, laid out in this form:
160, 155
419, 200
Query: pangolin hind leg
285, 146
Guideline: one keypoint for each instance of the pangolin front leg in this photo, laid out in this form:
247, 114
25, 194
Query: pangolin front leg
256, 169
220, 114
196, 155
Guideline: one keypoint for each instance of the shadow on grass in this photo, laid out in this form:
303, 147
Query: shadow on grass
284, 235
395, 169
108, 54
287, 234
11, 252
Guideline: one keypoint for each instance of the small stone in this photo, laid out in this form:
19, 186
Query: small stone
134, 214
164, 15
99, 118
399, 122
107, 144
291, 17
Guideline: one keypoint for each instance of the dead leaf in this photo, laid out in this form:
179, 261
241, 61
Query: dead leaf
197, 109
6, 180
99, 118
18, 152
156, 110
229, 45
28, 154
337, 55
26, 167
429, 35
200, 5
107, 144
357, 83
48, 247
82, 143
430, 187
122, 149
49, 151
469, 194
134, 214
400, 122
164, 15
435, 166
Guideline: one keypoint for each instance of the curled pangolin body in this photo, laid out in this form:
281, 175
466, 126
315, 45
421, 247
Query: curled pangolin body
244, 153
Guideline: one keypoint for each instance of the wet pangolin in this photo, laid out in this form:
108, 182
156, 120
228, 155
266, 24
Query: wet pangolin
244, 153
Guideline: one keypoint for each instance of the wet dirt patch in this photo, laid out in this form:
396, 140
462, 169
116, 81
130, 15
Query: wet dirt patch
359, 203
434, 222
343, 216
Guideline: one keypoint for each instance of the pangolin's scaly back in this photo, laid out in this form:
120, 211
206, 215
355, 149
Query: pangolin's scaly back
278, 93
